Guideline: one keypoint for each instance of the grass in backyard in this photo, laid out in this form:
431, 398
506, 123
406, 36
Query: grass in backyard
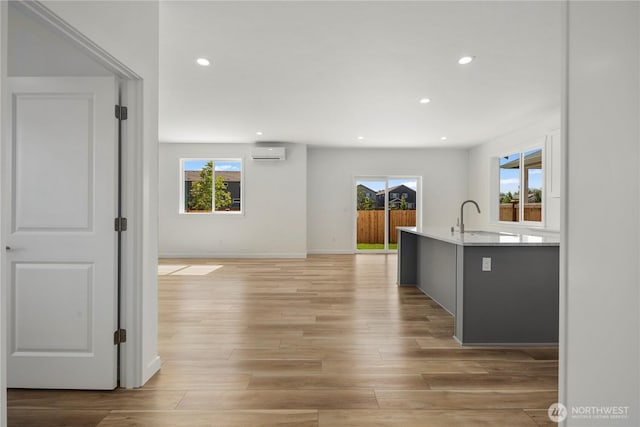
375, 246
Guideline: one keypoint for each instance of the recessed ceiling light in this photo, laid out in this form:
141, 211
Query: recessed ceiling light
361, 137
203, 61
425, 101
259, 133
444, 138
465, 60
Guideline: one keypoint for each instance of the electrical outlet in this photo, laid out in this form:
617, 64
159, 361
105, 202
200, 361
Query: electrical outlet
486, 264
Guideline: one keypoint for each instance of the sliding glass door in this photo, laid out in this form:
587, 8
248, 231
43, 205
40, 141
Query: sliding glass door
371, 214
382, 204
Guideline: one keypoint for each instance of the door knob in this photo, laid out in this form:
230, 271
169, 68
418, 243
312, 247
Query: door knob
8, 248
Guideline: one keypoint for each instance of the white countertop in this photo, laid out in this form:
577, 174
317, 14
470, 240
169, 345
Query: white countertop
484, 238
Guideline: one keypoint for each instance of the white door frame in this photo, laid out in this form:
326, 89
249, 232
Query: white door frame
131, 364
3, 286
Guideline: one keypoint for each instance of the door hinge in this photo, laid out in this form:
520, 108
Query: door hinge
120, 336
121, 224
121, 112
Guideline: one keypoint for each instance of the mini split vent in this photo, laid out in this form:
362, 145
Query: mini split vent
268, 153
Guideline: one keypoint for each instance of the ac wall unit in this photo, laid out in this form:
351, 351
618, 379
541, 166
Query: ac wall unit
268, 153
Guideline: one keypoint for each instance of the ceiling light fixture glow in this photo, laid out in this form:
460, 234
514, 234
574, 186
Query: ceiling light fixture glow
361, 137
425, 100
259, 133
466, 60
203, 61
444, 138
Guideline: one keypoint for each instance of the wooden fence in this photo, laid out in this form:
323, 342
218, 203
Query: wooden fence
510, 211
371, 224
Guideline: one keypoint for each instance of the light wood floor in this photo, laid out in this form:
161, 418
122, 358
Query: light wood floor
326, 341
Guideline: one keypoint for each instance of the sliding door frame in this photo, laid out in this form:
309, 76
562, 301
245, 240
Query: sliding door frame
354, 209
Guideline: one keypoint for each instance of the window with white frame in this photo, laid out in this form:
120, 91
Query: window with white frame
521, 187
211, 186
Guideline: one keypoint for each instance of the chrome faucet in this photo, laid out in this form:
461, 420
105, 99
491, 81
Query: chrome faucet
462, 212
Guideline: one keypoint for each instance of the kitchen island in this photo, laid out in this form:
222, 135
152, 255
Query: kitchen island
501, 288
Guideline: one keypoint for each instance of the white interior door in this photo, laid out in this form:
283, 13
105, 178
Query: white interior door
59, 209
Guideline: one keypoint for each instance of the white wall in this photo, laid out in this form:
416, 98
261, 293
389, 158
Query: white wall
482, 177
330, 189
274, 223
35, 50
129, 32
600, 343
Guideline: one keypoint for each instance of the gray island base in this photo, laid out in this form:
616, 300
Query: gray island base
501, 288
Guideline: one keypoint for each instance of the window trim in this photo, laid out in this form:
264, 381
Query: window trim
538, 144
214, 159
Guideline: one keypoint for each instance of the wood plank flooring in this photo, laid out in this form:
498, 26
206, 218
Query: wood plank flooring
326, 341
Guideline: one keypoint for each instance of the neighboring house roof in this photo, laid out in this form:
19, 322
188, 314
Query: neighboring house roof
393, 189
194, 176
367, 189
229, 176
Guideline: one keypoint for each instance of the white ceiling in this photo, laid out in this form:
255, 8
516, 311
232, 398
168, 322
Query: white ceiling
325, 72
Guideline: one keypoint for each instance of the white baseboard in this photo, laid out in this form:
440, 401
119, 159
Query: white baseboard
231, 255
151, 369
256, 255
330, 252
